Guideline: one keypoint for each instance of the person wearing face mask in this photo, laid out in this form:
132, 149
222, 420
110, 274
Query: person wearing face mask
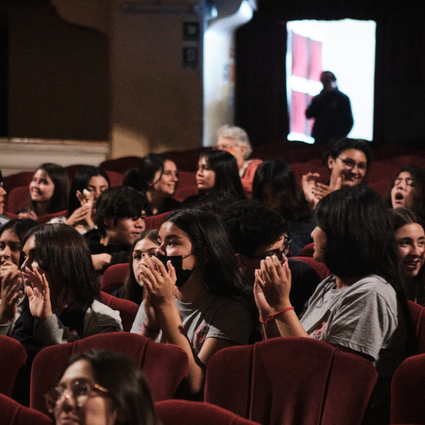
102, 388
348, 162
410, 239
235, 141
195, 300
408, 191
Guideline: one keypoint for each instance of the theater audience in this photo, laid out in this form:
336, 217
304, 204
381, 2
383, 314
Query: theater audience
62, 302
119, 220
193, 300
217, 172
410, 238
408, 191
276, 186
48, 191
348, 162
157, 178
235, 141
102, 388
361, 308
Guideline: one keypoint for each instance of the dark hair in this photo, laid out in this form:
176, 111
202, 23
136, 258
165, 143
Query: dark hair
215, 202
251, 224
282, 179
80, 182
360, 241
63, 253
346, 143
399, 217
126, 384
117, 203
418, 177
59, 200
142, 179
20, 226
226, 171
331, 74
213, 251
132, 289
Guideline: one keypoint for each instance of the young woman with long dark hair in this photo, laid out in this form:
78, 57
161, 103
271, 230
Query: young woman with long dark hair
195, 304
361, 308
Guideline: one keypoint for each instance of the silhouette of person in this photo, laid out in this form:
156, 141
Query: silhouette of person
331, 110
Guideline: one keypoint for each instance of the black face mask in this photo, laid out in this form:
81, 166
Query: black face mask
177, 261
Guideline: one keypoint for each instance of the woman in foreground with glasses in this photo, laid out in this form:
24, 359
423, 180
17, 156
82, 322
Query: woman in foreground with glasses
361, 308
276, 186
102, 388
347, 161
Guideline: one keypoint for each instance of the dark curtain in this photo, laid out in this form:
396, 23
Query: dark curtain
261, 105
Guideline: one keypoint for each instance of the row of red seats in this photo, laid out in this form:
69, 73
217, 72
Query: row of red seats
282, 380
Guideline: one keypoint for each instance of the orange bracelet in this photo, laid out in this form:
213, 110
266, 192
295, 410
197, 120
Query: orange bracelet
272, 315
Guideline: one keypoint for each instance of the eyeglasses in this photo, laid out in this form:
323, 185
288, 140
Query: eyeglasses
350, 164
79, 390
279, 251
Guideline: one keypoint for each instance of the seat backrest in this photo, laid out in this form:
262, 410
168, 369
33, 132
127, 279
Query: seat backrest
115, 178
128, 309
182, 412
319, 268
417, 314
122, 164
165, 365
308, 250
13, 413
114, 277
408, 391
17, 199
155, 221
12, 363
291, 380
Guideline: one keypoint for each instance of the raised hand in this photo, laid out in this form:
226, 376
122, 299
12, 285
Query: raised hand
308, 183
274, 280
38, 292
158, 281
11, 284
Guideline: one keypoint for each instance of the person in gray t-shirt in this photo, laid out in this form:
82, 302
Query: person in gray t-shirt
197, 304
361, 308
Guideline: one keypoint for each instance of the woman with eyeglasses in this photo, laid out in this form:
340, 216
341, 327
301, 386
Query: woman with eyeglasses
102, 388
361, 308
195, 296
276, 186
348, 162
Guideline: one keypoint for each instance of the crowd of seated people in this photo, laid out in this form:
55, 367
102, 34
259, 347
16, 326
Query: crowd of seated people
217, 261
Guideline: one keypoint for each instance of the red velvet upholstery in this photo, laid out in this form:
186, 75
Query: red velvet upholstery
12, 363
13, 413
155, 221
17, 199
408, 391
291, 380
115, 178
114, 277
319, 268
182, 412
121, 165
128, 309
308, 250
165, 365
417, 314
